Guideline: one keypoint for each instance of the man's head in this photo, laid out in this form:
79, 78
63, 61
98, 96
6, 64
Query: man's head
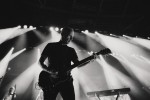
67, 35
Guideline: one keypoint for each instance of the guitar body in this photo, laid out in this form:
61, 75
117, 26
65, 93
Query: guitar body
46, 81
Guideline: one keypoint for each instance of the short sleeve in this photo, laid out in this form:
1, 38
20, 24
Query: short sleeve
45, 51
74, 56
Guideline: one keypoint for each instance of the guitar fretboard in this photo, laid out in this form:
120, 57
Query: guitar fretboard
88, 59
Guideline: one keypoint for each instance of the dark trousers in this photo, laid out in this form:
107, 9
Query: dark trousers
66, 90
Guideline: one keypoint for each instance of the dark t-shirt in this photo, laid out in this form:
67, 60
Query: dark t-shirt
59, 56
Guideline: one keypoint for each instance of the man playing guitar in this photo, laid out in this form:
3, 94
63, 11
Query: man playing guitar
59, 57
56, 77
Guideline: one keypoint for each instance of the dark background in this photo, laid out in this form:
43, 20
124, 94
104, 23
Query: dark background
130, 17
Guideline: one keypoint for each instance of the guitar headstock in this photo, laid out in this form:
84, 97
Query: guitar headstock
104, 51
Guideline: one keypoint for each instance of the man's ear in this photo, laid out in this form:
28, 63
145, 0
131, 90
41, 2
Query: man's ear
71, 37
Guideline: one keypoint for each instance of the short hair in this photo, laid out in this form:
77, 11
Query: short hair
66, 31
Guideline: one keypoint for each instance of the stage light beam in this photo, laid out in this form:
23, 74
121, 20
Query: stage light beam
4, 63
17, 53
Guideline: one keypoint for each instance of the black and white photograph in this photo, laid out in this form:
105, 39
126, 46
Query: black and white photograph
74, 50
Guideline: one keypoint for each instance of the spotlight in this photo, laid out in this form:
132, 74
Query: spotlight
112, 34
82, 31
96, 32
51, 28
31, 27
86, 31
128, 37
61, 29
19, 26
25, 26
56, 29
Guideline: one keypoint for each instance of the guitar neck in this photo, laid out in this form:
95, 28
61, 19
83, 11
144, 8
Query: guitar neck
83, 62
88, 59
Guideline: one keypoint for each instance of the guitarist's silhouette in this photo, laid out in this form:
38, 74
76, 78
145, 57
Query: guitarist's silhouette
56, 76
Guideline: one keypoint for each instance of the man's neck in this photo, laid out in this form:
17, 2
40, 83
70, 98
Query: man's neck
62, 42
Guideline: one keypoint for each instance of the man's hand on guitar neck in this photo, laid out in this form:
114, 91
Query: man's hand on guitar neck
94, 55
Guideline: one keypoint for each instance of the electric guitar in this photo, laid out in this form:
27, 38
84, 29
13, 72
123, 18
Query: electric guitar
50, 79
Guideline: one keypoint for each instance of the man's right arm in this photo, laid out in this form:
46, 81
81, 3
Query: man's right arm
43, 57
41, 61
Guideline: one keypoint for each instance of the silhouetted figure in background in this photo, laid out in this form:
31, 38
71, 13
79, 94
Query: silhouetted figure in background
55, 77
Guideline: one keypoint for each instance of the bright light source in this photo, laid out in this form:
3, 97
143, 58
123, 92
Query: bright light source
112, 35
61, 29
19, 26
115, 96
96, 32
25, 26
128, 37
31, 27
56, 29
51, 28
86, 31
